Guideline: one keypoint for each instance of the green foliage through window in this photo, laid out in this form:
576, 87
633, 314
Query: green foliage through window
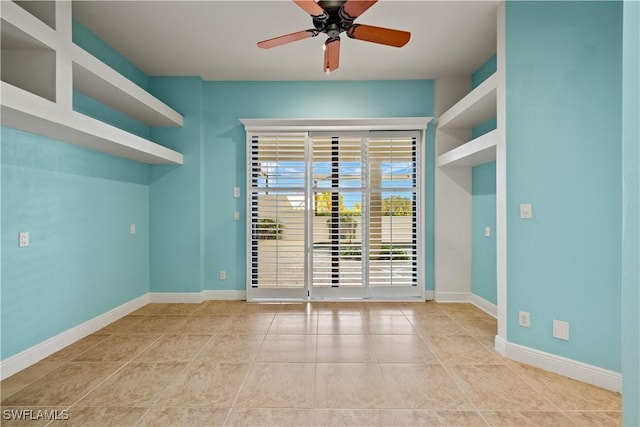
269, 229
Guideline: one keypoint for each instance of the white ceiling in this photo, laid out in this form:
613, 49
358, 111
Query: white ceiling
217, 39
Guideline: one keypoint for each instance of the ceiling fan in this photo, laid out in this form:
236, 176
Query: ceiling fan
333, 17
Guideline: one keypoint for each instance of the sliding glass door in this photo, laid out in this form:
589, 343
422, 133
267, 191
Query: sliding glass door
277, 208
334, 215
394, 240
338, 181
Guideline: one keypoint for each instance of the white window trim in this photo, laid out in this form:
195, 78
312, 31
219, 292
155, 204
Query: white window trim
346, 125
309, 125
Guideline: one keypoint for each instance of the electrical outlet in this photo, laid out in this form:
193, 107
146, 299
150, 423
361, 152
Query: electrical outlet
223, 275
132, 229
23, 239
236, 216
525, 211
487, 231
236, 192
524, 319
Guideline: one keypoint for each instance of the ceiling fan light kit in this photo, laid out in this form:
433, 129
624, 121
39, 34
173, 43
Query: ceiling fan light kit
334, 17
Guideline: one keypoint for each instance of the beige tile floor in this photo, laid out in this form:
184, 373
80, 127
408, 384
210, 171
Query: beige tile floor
323, 364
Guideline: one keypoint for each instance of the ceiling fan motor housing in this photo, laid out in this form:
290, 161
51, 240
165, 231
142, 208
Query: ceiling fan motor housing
334, 21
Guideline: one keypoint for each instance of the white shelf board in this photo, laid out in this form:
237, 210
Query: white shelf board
475, 108
15, 39
473, 153
31, 113
97, 80
45, 11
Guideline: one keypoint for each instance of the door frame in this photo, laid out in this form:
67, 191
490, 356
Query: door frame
260, 126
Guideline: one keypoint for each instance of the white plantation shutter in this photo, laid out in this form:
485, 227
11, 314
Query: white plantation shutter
334, 214
277, 211
338, 180
393, 210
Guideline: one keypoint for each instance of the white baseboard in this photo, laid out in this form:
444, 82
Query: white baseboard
500, 345
468, 297
28, 357
451, 296
429, 295
176, 297
224, 295
488, 307
196, 297
584, 372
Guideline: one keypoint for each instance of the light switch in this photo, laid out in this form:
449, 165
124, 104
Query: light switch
236, 192
525, 210
236, 216
132, 229
487, 231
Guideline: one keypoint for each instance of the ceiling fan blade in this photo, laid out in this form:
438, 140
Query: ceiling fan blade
355, 8
293, 37
379, 35
311, 7
332, 54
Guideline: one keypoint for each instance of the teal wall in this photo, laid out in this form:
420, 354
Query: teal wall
77, 206
484, 71
484, 127
631, 215
193, 232
177, 192
563, 84
483, 249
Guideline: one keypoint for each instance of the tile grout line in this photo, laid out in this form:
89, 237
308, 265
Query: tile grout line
116, 371
244, 380
62, 363
453, 379
471, 334
152, 406
456, 318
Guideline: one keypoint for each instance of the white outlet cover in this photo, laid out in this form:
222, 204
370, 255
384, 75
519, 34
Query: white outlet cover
236, 191
524, 319
23, 239
236, 216
132, 229
525, 211
561, 329
487, 231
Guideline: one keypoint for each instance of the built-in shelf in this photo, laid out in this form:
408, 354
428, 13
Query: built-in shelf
43, 10
31, 113
41, 67
27, 63
99, 81
473, 153
475, 108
